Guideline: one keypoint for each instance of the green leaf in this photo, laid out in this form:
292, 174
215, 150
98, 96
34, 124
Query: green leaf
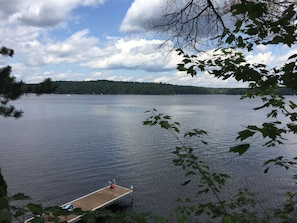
147, 122
35, 208
230, 38
240, 149
227, 219
292, 105
181, 67
238, 9
252, 31
180, 51
165, 125
245, 134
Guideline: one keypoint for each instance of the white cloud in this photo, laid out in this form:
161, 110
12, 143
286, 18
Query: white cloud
273, 57
23, 21
69, 75
133, 54
140, 12
83, 50
262, 47
72, 50
261, 58
30, 74
201, 79
42, 13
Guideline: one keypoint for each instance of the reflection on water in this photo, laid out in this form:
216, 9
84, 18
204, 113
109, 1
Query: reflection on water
65, 147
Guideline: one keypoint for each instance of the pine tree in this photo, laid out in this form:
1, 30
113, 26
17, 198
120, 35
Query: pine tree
10, 89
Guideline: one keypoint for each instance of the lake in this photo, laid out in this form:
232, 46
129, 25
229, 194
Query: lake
68, 145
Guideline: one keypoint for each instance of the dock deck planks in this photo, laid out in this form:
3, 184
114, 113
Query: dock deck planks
100, 198
96, 200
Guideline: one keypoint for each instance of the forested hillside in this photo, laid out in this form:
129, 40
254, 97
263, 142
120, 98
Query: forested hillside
121, 87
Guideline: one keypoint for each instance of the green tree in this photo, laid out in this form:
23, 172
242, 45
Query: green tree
10, 89
45, 87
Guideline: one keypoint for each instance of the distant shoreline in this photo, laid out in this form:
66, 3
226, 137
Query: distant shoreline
136, 88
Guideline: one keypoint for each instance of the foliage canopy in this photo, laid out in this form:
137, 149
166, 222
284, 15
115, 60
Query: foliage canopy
239, 28
10, 89
215, 37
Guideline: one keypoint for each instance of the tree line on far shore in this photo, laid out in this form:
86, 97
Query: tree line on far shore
137, 88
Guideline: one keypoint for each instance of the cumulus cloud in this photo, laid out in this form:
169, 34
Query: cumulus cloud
262, 47
72, 50
42, 13
134, 54
84, 50
201, 79
140, 12
78, 47
23, 21
260, 58
273, 57
26, 32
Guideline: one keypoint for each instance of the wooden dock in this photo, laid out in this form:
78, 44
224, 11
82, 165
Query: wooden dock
96, 200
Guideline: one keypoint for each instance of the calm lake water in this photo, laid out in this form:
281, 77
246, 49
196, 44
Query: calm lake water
67, 146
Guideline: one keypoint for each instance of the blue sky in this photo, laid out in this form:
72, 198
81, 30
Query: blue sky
97, 40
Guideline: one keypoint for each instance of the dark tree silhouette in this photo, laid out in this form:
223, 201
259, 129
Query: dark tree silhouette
10, 89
